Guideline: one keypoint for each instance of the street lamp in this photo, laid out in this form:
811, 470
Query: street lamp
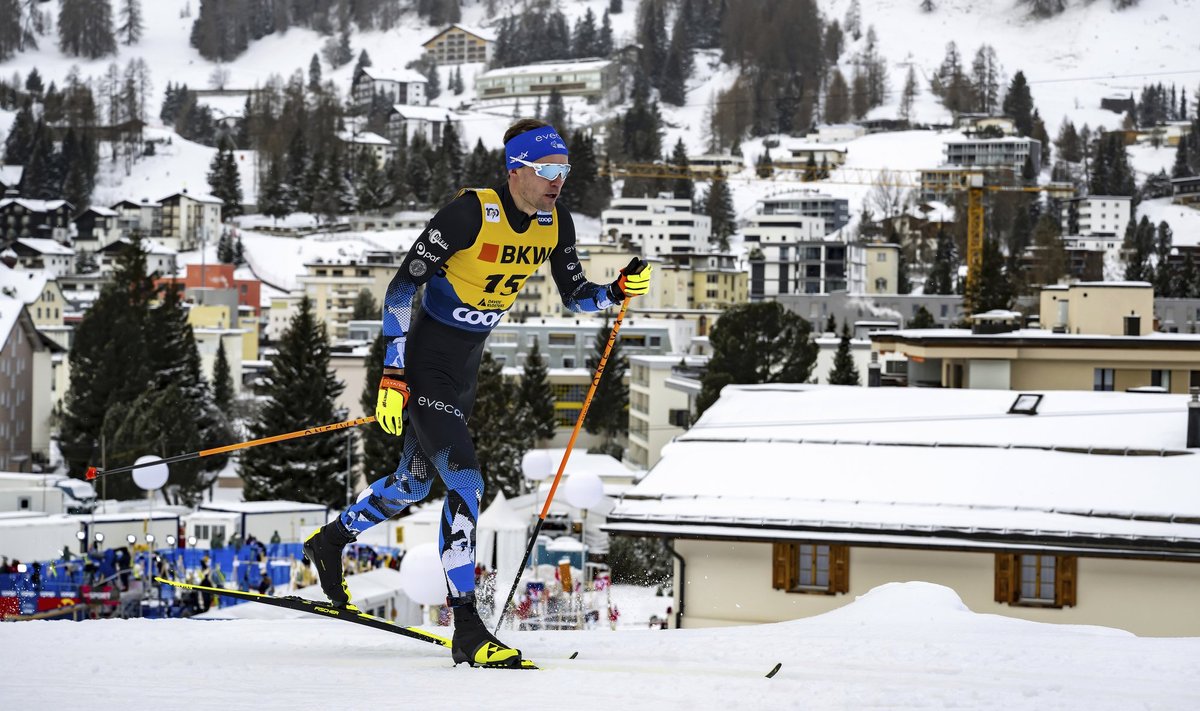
191, 541
170, 541
150, 538
99, 537
131, 539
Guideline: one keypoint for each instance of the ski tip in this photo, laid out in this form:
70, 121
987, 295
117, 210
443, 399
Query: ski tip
91, 473
774, 670
573, 655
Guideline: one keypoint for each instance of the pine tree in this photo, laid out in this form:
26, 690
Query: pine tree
365, 306
718, 205
19, 143
682, 187
556, 114
108, 360
783, 351
536, 395
225, 182
607, 415
85, 28
909, 94
1165, 278
1050, 250
131, 27
991, 289
301, 391
837, 99
1018, 103
222, 385
844, 371
922, 319
499, 449
10, 28
314, 74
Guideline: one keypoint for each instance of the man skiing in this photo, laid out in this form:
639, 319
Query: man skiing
472, 258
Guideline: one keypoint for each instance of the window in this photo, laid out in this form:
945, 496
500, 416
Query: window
562, 339
1161, 379
881, 256
1102, 380
811, 568
1034, 579
678, 418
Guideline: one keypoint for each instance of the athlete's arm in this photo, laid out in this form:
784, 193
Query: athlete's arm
453, 228
578, 294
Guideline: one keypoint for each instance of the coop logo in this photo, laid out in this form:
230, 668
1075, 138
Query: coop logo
491, 212
545, 219
477, 318
435, 236
439, 406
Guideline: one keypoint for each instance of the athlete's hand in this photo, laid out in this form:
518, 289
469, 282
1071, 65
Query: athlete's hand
634, 280
389, 404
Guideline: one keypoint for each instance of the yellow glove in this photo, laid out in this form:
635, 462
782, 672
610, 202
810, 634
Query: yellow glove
634, 280
389, 405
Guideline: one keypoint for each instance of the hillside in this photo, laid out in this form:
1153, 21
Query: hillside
1071, 61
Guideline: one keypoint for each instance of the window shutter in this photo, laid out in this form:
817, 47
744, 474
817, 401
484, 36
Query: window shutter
785, 566
839, 563
1006, 577
1064, 580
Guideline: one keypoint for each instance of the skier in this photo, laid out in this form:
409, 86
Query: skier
473, 257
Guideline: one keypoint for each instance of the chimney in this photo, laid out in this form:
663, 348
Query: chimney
1133, 325
1193, 431
873, 371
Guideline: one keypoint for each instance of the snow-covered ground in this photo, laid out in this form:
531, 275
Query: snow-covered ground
903, 645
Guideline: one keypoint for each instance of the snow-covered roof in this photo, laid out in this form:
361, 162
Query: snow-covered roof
928, 465
423, 113
260, 507
24, 284
1042, 336
102, 211
10, 175
195, 197
10, 311
547, 68
364, 137
932, 211
400, 74
34, 205
46, 246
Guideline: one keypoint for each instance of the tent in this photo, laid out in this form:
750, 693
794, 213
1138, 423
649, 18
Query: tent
501, 539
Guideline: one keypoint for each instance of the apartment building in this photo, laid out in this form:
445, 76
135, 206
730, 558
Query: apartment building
657, 226
461, 44
593, 79
395, 86
1008, 152
190, 220
1096, 216
834, 211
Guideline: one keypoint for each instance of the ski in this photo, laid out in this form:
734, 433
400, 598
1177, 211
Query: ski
300, 604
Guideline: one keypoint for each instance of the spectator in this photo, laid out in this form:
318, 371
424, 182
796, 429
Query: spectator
265, 586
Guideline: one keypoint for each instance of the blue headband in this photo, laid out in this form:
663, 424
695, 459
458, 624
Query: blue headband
534, 145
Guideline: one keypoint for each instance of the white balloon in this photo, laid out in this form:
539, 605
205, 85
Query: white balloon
151, 477
422, 577
537, 464
583, 490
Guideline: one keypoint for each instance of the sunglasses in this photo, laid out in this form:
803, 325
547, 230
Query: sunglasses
549, 171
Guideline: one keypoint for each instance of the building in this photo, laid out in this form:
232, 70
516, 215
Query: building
1096, 216
218, 276
160, 259
774, 243
1185, 191
1093, 336
41, 219
405, 122
708, 163
370, 143
138, 219
96, 227
1065, 510
974, 124
657, 226
190, 220
836, 132
400, 86
819, 267
834, 211
1010, 152
698, 280
804, 155
460, 44
47, 255
39, 291
883, 268
593, 78
24, 379
333, 287
657, 412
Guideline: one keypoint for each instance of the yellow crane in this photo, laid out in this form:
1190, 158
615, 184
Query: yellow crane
971, 180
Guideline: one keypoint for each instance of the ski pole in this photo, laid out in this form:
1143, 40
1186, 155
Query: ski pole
587, 400
93, 472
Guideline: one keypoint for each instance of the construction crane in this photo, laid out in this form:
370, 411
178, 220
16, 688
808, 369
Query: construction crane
971, 180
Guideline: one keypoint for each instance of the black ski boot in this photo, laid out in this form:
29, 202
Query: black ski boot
324, 549
473, 643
